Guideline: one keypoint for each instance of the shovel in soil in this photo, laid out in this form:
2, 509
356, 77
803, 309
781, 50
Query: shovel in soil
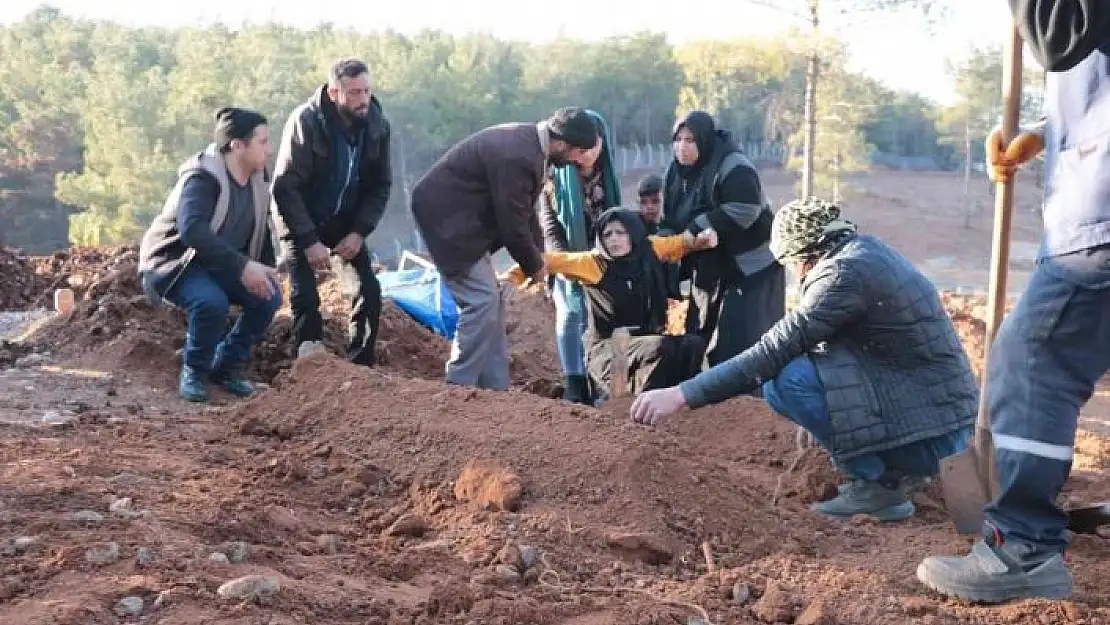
967, 479
1087, 519
619, 385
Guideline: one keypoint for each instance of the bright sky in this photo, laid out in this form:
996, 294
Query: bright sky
898, 51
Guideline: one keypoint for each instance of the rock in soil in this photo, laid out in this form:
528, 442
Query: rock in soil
489, 485
250, 587
129, 606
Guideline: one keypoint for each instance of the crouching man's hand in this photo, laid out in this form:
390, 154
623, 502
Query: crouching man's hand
651, 407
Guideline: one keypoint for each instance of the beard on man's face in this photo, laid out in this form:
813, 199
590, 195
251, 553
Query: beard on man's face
560, 158
355, 114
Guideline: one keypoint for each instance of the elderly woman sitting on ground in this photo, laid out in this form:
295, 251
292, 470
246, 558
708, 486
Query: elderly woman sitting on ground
868, 362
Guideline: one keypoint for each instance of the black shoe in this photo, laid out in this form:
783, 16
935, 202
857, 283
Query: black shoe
577, 390
234, 381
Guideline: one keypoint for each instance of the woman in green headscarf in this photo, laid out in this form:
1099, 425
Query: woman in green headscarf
570, 205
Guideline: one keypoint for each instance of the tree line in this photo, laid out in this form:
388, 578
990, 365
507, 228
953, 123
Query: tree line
96, 117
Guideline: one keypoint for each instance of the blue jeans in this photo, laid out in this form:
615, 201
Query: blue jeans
206, 296
1044, 363
570, 326
798, 394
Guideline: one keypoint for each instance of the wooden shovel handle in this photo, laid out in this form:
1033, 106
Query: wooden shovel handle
1000, 246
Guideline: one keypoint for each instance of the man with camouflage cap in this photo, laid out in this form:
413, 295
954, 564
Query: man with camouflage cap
868, 363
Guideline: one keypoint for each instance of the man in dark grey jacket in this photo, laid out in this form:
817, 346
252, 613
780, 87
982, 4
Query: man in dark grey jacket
868, 362
331, 186
211, 247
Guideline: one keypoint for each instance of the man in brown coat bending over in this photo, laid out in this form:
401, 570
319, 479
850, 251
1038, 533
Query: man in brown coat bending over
479, 197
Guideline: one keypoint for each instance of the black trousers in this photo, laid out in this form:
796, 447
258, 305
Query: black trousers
730, 310
654, 361
359, 283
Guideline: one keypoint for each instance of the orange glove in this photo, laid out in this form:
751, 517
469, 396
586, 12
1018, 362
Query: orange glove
514, 275
1004, 160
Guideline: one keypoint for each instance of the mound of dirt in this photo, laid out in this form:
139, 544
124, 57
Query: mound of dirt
112, 318
356, 496
534, 364
90, 271
20, 287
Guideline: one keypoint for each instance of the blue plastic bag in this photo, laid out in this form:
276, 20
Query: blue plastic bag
421, 293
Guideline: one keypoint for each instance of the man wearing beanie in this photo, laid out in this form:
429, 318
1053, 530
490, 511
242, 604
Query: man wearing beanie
478, 198
331, 186
211, 247
868, 363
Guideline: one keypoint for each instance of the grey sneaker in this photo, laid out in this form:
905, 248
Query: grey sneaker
871, 498
909, 484
991, 574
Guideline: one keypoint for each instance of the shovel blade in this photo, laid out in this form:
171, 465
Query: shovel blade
1087, 519
964, 497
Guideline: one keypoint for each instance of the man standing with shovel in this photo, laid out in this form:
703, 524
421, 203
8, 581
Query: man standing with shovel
1053, 348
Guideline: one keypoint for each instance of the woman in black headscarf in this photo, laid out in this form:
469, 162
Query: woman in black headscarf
626, 287
737, 290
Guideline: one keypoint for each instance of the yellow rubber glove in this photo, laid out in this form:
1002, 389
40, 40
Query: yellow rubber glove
1004, 160
514, 275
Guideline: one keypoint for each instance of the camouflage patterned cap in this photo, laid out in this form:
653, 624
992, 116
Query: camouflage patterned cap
803, 225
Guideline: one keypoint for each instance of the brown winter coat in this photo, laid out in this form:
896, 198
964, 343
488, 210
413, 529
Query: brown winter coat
481, 196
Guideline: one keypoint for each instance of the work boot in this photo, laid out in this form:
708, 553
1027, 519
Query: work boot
192, 385
866, 497
577, 390
233, 380
996, 571
910, 484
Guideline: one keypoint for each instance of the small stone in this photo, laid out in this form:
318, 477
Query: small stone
346, 386
408, 525
529, 556
510, 555
328, 543
106, 553
250, 587
144, 556
164, 598
54, 418
129, 606
282, 518
218, 558
20, 545
507, 575
741, 593
237, 551
122, 506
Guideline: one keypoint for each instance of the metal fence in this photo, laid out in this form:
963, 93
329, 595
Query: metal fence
658, 156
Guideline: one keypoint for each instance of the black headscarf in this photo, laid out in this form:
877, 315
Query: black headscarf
701, 125
640, 269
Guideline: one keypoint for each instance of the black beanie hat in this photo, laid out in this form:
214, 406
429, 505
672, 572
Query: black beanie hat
235, 123
575, 126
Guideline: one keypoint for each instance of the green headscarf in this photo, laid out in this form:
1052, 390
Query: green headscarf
570, 201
